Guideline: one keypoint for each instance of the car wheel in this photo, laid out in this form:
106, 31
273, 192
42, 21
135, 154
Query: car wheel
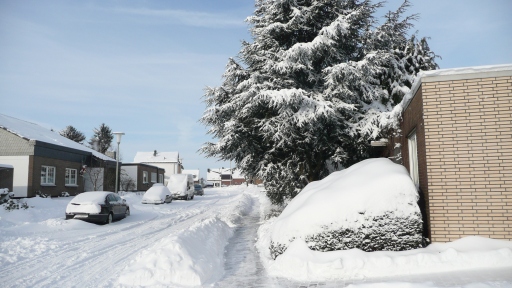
127, 212
109, 218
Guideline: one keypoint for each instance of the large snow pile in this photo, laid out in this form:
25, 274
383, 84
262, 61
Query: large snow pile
193, 257
371, 205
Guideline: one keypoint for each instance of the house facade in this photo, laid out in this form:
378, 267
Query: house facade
455, 140
169, 161
43, 161
140, 177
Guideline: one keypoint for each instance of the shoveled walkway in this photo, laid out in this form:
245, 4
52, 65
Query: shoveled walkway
244, 269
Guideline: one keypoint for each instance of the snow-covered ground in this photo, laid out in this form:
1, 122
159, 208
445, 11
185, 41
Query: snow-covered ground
218, 240
176, 244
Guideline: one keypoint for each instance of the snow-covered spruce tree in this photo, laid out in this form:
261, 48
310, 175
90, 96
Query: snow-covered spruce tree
72, 133
102, 138
307, 93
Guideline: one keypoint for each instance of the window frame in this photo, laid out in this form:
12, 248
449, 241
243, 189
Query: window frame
144, 177
47, 175
412, 147
161, 178
66, 178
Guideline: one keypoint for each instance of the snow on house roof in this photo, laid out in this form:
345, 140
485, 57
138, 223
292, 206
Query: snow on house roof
456, 74
161, 157
31, 131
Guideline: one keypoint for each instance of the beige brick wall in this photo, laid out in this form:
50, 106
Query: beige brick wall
468, 138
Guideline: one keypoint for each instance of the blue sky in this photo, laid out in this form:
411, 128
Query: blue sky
141, 66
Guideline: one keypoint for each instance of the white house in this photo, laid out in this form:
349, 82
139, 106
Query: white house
225, 176
194, 173
170, 161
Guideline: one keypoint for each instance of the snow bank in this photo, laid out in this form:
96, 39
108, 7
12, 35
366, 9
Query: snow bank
193, 257
41, 210
365, 206
301, 263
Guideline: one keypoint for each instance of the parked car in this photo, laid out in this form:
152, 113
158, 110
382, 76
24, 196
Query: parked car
198, 189
157, 194
181, 186
97, 206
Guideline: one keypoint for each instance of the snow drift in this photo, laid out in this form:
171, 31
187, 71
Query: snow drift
371, 205
470, 253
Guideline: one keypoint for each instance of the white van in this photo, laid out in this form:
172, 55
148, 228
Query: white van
181, 186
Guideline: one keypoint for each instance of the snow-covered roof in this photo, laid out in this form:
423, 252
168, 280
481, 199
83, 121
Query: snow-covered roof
32, 131
161, 157
456, 74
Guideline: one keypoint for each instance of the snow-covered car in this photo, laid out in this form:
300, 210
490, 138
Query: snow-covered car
157, 194
181, 186
198, 189
97, 206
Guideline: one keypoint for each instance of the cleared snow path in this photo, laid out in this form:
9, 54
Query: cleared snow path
243, 267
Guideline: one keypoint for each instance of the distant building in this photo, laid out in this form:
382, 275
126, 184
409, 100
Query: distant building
140, 176
169, 161
194, 173
225, 177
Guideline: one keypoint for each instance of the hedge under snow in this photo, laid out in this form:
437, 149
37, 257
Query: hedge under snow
371, 205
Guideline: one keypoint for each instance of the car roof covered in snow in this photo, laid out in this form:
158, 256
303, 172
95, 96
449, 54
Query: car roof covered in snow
91, 197
157, 190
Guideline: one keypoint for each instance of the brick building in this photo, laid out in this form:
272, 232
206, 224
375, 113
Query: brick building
456, 141
140, 177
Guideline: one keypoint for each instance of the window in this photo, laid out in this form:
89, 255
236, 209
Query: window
153, 177
71, 176
413, 158
144, 177
161, 178
47, 175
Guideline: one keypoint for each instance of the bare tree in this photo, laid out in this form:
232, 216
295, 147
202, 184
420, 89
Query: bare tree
127, 182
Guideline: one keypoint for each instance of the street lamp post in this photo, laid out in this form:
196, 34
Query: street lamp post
118, 138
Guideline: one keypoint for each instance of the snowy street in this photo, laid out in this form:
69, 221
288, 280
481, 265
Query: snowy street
42, 249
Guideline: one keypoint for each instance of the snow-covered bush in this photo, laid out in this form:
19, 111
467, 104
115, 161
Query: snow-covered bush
371, 205
5, 195
15, 204
41, 194
64, 194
